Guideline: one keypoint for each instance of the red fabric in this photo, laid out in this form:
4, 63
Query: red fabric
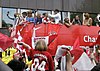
64, 35
76, 43
52, 38
5, 41
76, 54
98, 40
53, 47
25, 29
26, 34
45, 19
77, 51
53, 28
67, 36
40, 57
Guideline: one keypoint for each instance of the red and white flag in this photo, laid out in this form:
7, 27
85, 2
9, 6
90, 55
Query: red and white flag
18, 38
81, 61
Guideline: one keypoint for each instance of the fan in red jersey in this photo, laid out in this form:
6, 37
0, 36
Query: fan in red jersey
42, 60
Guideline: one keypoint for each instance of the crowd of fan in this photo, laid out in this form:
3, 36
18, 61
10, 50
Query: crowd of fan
21, 62
55, 18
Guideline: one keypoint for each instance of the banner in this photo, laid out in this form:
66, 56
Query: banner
60, 34
87, 35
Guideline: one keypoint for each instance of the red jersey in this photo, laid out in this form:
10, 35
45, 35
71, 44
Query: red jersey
42, 61
45, 19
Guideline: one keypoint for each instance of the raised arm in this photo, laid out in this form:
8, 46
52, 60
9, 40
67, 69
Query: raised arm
68, 62
53, 15
90, 21
24, 44
9, 16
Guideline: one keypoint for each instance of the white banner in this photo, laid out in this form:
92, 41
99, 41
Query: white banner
35, 39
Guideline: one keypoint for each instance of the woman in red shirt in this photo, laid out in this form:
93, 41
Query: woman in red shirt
41, 59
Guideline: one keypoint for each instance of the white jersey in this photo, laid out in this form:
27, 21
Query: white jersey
57, 17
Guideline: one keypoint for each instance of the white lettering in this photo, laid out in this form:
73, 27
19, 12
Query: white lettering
85, 39
41, 55
89, 39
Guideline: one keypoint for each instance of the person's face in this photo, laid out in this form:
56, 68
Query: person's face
24, 15
46, 15
86, 16
55, 12
77, 17
52, 19
66, 20
29, 14
38, 15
